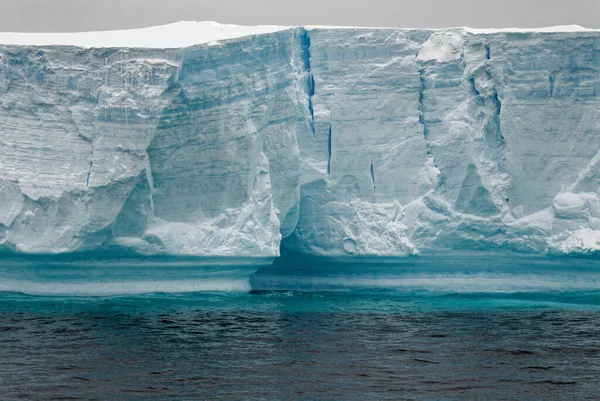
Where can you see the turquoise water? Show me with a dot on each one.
(427, 328)
(279, 345)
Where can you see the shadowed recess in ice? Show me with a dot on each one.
(330, 141)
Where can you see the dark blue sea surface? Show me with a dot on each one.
(284, 345)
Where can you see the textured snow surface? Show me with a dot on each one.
(329, 141)
(549, 29)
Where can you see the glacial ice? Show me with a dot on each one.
(207, 140)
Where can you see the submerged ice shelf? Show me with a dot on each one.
(110, 274)
(208, 140)
(455, 273)
(102, 275)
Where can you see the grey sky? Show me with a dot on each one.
(85, 15)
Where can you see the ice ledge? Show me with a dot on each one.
(189, 33)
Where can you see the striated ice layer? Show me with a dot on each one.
(435, 141)
(202, 139)
(183, 152)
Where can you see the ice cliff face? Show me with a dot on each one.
(188, 151)
(334, 141)
(430, 141)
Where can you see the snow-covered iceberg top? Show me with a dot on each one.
(475, 31)
(189, 33)
(549, 29)
(177, 35)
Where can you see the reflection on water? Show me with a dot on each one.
(285, 345)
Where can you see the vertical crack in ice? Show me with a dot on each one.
(492, 150)
(483, 77)
(310, 80)
(86, 130)
(329, 151)
(423, 122)
(495, 99)
(551, 79)
(373, 176)
(150, 180)
(474, 90)
(87, 180)
(173, 90)
(497, 112)
(421, 108)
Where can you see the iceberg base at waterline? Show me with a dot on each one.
(97, 275)
(454, 272)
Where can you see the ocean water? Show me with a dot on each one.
(396, 344)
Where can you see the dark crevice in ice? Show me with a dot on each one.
(373, 176)
(495, 98)
(551, 79)
(329, 151)
(423, 122)
(496, 118)
(305, 43)
(493, 130)
(492, 102)
(310, 80)
(473, 88)
(421, 107)
(474, 197)
(87, 180)
(421, 98)
(497, 103)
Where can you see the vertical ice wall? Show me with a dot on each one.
(75, 129)
(340, 141)
(189, 151)
(224, 156)
(362, 145)
(429, 141)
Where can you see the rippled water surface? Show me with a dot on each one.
(305, 346)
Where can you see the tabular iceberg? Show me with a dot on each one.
(202, 139)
